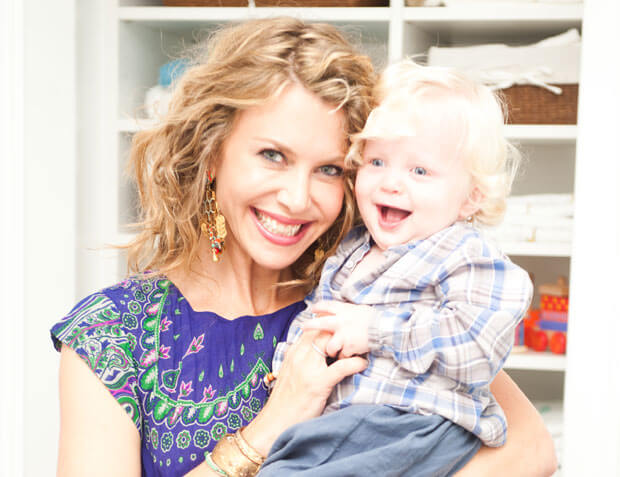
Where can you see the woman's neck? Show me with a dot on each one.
(234, 286)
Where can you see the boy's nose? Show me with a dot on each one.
(392, 181)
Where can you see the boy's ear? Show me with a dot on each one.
(471, 204)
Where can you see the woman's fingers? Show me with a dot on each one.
(342, 368)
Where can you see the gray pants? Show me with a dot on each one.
(371, 440)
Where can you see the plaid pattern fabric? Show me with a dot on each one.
(446, 310)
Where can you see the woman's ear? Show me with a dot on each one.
(471, 204)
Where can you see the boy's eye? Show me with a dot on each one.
(272, 155)
(419, 171)
(331, 171)
(377, 162)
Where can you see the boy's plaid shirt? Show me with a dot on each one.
(447, 307)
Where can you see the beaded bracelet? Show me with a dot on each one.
(213, 466)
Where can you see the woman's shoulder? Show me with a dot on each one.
(117, 308)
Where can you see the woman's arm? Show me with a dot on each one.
(300, 393)
(97, 438)
(529, 449)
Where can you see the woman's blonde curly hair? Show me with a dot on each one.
(245, 65)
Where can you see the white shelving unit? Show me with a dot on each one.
(140, 35)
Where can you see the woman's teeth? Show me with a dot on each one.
(276, 227)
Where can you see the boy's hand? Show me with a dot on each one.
(348, 324)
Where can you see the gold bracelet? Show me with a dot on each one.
(247, 449)
(228, 456)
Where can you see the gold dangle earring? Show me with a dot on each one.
(213, 223)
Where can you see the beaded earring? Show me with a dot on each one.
(213, 223)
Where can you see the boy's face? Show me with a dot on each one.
(411, 187)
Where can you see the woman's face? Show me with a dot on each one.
(279, 183)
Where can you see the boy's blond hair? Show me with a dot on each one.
(403, 91)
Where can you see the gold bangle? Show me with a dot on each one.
(247, 449)
(229, 457)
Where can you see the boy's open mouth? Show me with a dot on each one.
(392, 215)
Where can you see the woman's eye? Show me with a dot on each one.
(331, 171)
(419, 171)
(272, 155)
(377, 162)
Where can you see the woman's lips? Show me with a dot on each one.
(278, 229)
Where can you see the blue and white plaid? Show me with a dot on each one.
(447, 307)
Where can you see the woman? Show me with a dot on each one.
(256, 136)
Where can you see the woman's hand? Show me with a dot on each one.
(528, 451)
(301, 390)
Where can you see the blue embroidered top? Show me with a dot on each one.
(185, 378)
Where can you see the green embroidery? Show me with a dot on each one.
(232, 365)
(275, 341)
(242, 351)
(154, 438)
(220, 373)
(218, 431)
(201, 376)
(166, 441)
(170, 378)
(201, 438)
(183, 439)
(176, 337)
(259, 334)
(234, 422)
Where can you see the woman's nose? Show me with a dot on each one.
(295, 193)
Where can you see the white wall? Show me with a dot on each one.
(50, 214)
(592, 390)
(12, 237)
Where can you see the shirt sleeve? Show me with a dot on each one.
(294, 332)
(468, 333)
(95, 331)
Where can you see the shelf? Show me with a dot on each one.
(536, 249)
(533, 360)
(521, 133)
(515, 17)
(173, 17)
(541, 133)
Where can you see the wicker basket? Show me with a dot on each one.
(206, 3)
(535, 105)
(322, 3)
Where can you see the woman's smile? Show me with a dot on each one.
(279, 229)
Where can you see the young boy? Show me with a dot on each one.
(416, 287)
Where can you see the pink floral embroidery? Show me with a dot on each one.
(207, 394)
(149, 358)
(196, 345)
(164, 352)
(222, 407)
(186, 389)
(152, 309)
(164, 324)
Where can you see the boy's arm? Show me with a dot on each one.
(468, 336)
(294, 332)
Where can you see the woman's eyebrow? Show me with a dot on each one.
(289, 152)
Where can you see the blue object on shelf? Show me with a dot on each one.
(171, 71)
(552, 325)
